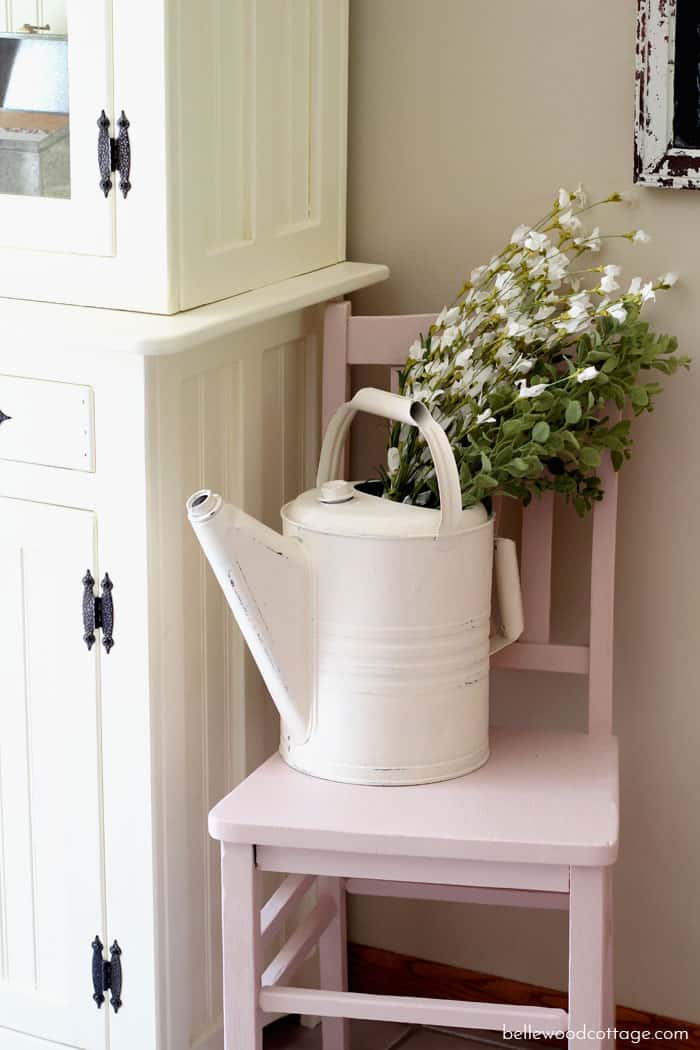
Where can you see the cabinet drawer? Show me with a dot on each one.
(47, 423)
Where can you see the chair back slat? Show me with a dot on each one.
(384, 340)
(351, 341)
(600, 681)
(536, 567)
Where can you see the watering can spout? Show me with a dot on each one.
(266, 579)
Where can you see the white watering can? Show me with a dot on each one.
(369, 619)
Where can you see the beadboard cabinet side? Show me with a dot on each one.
(241, 415)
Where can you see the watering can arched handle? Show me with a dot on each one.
(413, 414)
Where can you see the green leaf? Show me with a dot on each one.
(573, 412)
(485, 463)
(519, 425)
(518, 467)
(639, 396)
(540, 432)
(617, 459)
(590, 456)
(611, 364)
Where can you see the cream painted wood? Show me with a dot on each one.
(184, 714)
(238, 135)
(262, 108)
(52, 893)
(47, 423)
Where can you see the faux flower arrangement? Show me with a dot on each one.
(522, 369)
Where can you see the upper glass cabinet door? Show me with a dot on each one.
(55, 78)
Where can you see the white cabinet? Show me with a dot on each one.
(109, 762)
(237, 129)
(51, 856)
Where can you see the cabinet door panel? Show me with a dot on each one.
(50, 198)
(262, 107)
(51, 871)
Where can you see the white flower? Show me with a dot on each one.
(462, 358)
(558, 263)
(592, 241)
(393, 460)
(449, 335)
(476, 275)
(485, 417)
(580, 196)
(544, 312)
(530, 391)
(447, 317)
(568, 221)
(573, 325)
(536, 242)
(515, 329)
(640, 237)
(618, 311)
(416, 351)
(608, 283)
(586, 374)
(564, 198)
(647, 293)
(635, 286)
(669, 279)
(523, 366)
(579, 304)
(519, 234)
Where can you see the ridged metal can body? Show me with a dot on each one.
(402, 657)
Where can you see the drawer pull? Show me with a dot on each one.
(3, 417)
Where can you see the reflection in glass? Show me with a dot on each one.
(34, 115)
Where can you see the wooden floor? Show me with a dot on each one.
(370, 1035)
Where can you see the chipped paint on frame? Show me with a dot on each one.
(657, 162)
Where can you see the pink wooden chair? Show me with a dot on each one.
(537, 826)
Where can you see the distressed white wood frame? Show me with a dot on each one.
(657, 162)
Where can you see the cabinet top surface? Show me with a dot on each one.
(89, 328)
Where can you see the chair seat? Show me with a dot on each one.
(544, 796)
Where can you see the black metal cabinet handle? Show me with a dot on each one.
(106, 974)
(3, 417)
(98, 612)
(114, 154)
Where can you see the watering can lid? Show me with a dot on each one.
(341, 508)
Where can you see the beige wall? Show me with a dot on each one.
(465, 118)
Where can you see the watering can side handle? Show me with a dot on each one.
(412, 414)
(510, 599)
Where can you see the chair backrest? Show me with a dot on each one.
(352, 341)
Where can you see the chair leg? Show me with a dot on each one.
(333, 958)
(589, 995)
(240, 905)
(610, 1005)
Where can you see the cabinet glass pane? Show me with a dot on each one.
(34, 107)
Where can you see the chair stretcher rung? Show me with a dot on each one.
(292, 955)
(276, 910)
(411, 1010)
